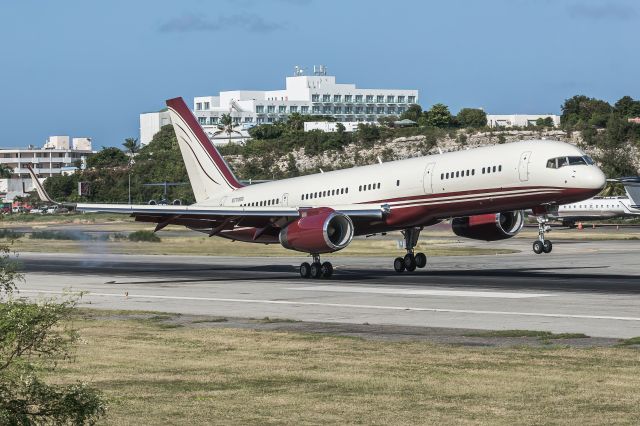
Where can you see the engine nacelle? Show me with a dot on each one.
(489, 227)
(320, 230)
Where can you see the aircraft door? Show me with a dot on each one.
(285, 199)
(427, 178)
(523, 166)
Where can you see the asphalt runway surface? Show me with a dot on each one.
(585, 287)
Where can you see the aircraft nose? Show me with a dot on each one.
(595, 179)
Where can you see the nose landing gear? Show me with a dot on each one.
(316, 269)
(411, 260)
(541, 245)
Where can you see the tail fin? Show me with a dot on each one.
(209, 174)
(632, 188)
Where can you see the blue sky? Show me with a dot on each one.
(88, 68)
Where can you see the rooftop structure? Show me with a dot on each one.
(316, 94)
(519, 120)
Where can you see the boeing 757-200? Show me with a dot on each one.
(484, 191)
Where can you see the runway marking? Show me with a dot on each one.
(344, 305)
(422, 292)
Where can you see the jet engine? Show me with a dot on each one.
(489, 227)
(320, 230)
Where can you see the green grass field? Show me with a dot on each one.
(152, 372)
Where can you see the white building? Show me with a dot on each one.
(56, 157)
(316, 94)
(330, 126)
(150, 124)
(519, 120)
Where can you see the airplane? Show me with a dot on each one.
(483, 190)
(599, 208)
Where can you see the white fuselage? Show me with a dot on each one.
(488, 179)
(597, 208)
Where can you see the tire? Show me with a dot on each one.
(421, 260)
(316, 270)
(538, 247)
(398, 264)
(547, 246)
(305, 270)
(410, 262)
(327, 270)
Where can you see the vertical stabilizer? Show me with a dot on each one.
(632, 188)
(209, 174)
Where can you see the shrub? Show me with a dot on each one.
(147, 236)
(56, 235)
(10, 234)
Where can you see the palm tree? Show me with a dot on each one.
(5, 171)
(226, 126)
(132, 146)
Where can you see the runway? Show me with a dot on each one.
(585, 287)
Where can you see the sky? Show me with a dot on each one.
(89, 68)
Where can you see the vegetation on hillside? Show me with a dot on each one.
(605, 129)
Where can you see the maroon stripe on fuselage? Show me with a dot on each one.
(181, 108)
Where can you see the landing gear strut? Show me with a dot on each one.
(316, 269)
(541, 245)
(411, 260)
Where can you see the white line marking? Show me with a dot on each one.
(422, 292)
(345, 305)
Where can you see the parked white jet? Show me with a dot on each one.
(598, 208)
(484, 190)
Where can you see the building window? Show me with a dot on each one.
(259, 109)
(282, 109)
(316, 109)
(369, 110)
(391, 99)
(304, 109)
(271, 108)
(198, 106)
(401, 110)
(293, 109)
(359, 98)
(326, 98)
(412, 99)
(206, 105)
(248, 119)
(391, 110)
(337, 98)
(213, 120)
(347, 98)
(400, 99)
(359, 110)
(369, 98)
(270, 120)
(380, 98)
(337, 110)
(380, 110)
(348, 110)
(315, 98)
(202, 120)
(326, 110)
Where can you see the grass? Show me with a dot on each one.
(630, 342)
(151, 374)
(63, 218)
(144, 235)
(202, 245)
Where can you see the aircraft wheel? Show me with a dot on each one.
(421, 260)
(305, 270)
(327, 270)
(547, 246)
(316, 270)
(410, 262)
(538, 247)
(398, 264)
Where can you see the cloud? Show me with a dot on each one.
(607, 10)
(193, 23)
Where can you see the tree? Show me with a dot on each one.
(5, 171)
(472, 117)
(627, 107)
(412, 113)
(226, 126)
(582, 110)
(439, 116)
(132, 146)
(108, 157)
(295, 122)
(35, 337)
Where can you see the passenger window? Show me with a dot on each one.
(473, 172)
(500, 168)
(369, 187)
(467, 172)
(494, 169)
(457, 174)
(398, 182)
(447, 175)
(360, 188)
(346, 190)
(441, 176)
(378, 185)
(483, 170)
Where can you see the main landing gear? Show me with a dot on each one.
(316, 269)
(541, 245)
(411, 260)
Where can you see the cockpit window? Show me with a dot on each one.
(589, 160)
(556, 163)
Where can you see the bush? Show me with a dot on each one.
(147, 236)
(10, 234)
(56, 235)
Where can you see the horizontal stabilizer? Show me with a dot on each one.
(631, 187)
